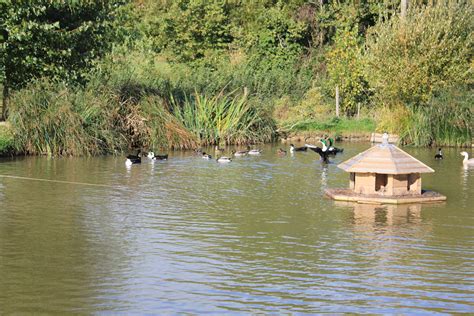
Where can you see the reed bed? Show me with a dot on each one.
(224, 118)
(54, 119)
(446, 121)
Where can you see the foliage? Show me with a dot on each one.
(145, 73)
(51, 118)
(224, 118)
(6, 140)
(55, 39)
(312, 106)
(448, 120)
(346, 71)
(191, 29)
(408, 61)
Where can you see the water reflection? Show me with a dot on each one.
(386, 215)
(324, 177)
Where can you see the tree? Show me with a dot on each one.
(54, 39)
(191, 29)
(346, 70)
(430, 51)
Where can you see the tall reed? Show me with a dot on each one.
(54, 119)
(224, 118)
(446, 121)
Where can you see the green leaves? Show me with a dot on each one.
(59, 40)
(431, 51)
(191, 29)
(346, 70)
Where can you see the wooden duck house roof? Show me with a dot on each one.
(384, 159)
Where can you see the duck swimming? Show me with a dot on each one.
(198, 151)
(254, 151)
(133, 159)
(206, 156)
(334, 150)
(281, 152)
(223, 159)
(152, 156)
(293, 148)
(439, 155)
(467, 162)
(323, 154)
(239, 153)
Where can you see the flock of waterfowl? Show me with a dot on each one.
(325, 151)
(466, 161)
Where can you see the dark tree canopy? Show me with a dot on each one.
(55, 39)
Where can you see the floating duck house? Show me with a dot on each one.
(385, 174)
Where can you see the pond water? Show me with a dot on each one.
(255, 235)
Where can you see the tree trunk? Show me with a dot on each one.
(337, 101)
(6, 97)
(403, 9)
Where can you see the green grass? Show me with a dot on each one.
(338, 125)
(6, 140)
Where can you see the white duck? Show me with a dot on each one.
(467, 162)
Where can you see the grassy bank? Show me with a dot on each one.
(105, 117)
(335, 125)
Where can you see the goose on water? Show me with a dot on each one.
(466, 161)
(439, 155)
(293, 148)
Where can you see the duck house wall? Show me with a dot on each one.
(400, 183)
(414, 183)
(364, 183)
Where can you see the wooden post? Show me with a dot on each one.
(337, 101)
(403, 8)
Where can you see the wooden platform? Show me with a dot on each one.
(351, 196)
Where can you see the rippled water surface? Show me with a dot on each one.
(255, 235)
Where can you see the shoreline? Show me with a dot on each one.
(314, 136)
(282, 137)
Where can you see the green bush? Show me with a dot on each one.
(447, 121)
(431, 51)
(6, 140)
